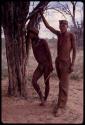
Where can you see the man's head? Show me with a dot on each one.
(33, 33)
(63, 25)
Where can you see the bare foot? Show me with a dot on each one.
(55, 110)
(42, 102)
(59, 112)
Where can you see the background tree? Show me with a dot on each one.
(14, 16)
(70, 9)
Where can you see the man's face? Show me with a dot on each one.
(63, 27)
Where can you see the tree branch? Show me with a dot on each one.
(40, 6)
(58, 11)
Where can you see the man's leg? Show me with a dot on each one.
(63, 94)
(59, 75)
(46, 80)
(63, 90)
(37, 74)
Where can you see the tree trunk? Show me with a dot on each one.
(16, 59)
(14, 30)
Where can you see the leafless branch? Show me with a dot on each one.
(58, 11)
(40, 6)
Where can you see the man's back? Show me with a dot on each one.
(41, 51)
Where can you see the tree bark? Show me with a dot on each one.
(14, 30)
(16, 58)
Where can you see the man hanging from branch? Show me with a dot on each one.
(63, 62)
(42, 55)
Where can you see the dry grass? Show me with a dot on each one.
(78, 68)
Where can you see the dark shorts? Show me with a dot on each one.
(46, 68)
(62, 66)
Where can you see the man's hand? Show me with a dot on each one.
(41, 12)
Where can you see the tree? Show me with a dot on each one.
(14, 17)
(70, 9)
(66, 8)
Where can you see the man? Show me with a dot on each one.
(63, 62)
(42, 55)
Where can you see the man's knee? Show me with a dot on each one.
(64, 80)
(47, 83)
(34, 81)
(46, 78)
(63, 86)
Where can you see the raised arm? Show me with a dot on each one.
(48, 26)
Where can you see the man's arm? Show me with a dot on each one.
(73, 48)
(48, 26)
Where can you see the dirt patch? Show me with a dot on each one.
(18, 110)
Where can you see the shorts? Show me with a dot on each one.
(63, 66)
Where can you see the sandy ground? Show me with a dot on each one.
(18, 110)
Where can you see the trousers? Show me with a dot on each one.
(63, 70)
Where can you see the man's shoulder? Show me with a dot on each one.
(43, 40)
(70, 33)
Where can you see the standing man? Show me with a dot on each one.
(64, 63)
(43, 56)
